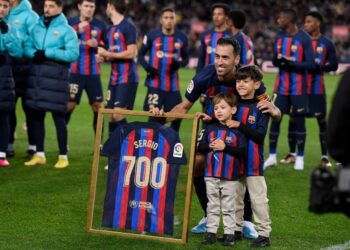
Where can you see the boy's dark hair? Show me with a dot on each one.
(119, 5)
(316, 15)
(58, 2)
(91, 1)
(229, 98)
(291, 13)
(223, 6)
(251, 71)
(238, 18)
(167, 9)
(232, 42)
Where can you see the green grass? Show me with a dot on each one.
(45, 208)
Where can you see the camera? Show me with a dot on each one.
(330, 191)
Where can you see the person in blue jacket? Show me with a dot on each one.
(22, 18)
(52, 44)
(9, 45)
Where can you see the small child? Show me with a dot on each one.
(225, 149)
(253, 123)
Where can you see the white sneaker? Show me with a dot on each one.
(271, 161)
(299, 163)
(249, 230)
(201, 227)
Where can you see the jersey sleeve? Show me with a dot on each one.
(146, 45)
(111, 147)
(177, 153)
(332, 61)
(184, 51)
(196, 87)
(201, 57)
(308, 61)
(130, 35)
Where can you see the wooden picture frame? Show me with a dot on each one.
(94, 176)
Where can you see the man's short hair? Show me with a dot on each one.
(119, 5)
(223, 6)
(59, 3)
(167, 9)
(252, 71)
(91, 1)
(291, 13)
(238, 18)
(316, 15)
(230, 41)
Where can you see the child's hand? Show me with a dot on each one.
(217, 145)
(232, 124)
(203, 116)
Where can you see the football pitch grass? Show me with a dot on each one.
(46, 208)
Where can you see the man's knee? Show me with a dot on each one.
(96, 106)
(71, 106)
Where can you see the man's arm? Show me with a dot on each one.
(181, 108)
(270, 108)
(128, 54)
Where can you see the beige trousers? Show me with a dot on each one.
(220, 193)
(258, 197)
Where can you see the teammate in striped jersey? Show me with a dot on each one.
(168, 51)
(293, 56)
(253, 123)
(144, 161)
(235, 23)
(326, 61)
(124, 78)
(209, 38)
(225, 150)
(85, 73)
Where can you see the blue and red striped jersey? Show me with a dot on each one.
(251, 116)
(164, 51)
(206, 82)
(326, 59)
(298, 49)
(208, 47)
(86, 64)
(119, 37)
(220, 164)
(247, 48)
(143, 166)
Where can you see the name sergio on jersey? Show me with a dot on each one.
(146, 144)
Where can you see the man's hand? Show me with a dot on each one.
(82, 26)
(99, 59)
(270, 108)
(102, 52)
(156, 111)
(92, 43)
(152, 71)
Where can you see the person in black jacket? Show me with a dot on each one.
(9, 45)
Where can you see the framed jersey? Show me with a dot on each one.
(140, 187)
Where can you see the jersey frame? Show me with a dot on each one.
(94, 175)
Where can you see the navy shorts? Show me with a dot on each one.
(121, 96)
(91, 83)
(161, 99)
(292, 104)
(317, 106)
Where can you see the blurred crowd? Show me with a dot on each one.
(194, 16)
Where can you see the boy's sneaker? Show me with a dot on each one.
(249, 230)
(271, 161)
(229, 240)
(288, 159)
(209, 238)
(299, 163)
(201, 227)
(30, 154)
(236, 237)
(325, 162)
(36, 160)
(62, 162)
(261, 241)
(4, 163)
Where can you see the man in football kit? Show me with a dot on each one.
(293, 56)
(22, 18)
(85, 73)
(235, 23)
(209, 38)
(210, 81)
(144, 161)
(326, 61)
(121, 51)
(168, 51)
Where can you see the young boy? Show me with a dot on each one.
(253, 124)
(9, 45)
(225, 149)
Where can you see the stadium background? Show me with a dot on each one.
(42, 208)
